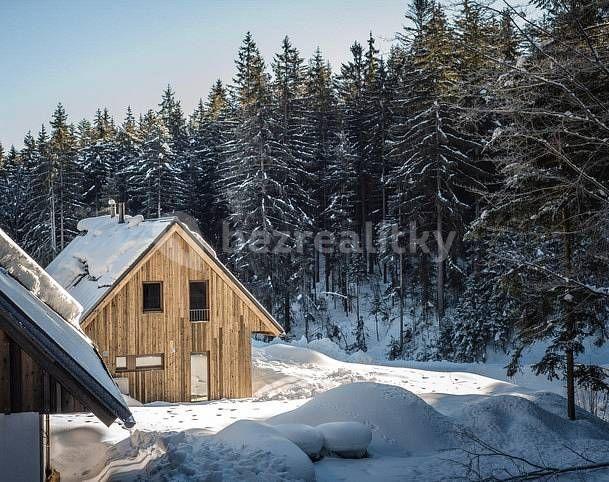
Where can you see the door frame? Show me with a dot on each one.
(207, 354)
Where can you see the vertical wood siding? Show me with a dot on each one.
(30, 384)
(120, 327)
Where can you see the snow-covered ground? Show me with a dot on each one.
(421, 417)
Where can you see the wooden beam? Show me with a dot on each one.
(16, 377)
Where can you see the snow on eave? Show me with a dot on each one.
(64, 345)
(37, 281)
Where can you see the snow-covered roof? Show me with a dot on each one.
(91, 265)
(36, 308)
(105, 249)
(25, 270)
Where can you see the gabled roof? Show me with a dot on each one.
(106, 251)
(33, 311)
(91, 264)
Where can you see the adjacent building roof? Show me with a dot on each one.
(106, 250)
(42, 318)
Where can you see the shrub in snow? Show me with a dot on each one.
(245, 435)
(309, 439)
(346, 439)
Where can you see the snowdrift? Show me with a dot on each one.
(513, 421)
(398, 418)
(287, 457)
(293, 354)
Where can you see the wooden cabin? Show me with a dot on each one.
(47, 365)
(171, 321)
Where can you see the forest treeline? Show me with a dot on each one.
(491, 125)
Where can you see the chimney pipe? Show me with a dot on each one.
(121, 213)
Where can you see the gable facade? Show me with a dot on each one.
(125, 333)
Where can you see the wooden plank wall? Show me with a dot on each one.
(120, 327)
(30, 383)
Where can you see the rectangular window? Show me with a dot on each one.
(199, 301)
(121, 362)
(149, 361)
(153, 296)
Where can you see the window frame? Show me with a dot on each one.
(206, 297)
(161, 297)
(131, 363)
(121, 368)
(160, 366)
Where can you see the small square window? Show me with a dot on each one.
(153, 296)
(121, 362)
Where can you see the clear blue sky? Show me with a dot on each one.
(90, 54)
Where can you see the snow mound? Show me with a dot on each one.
(132, 402)
(347, 439)
(309, 439)
(36, 280)
(331, 349)
(190, 455)
(515, 421)
(293, 354)
(246, 435)
(399, 420)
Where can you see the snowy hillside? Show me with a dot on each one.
(426, 424)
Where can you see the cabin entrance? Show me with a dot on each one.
(199, 377)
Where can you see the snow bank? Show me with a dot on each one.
(516, 422)
(326, 347)
(347, 439)
(37, 281)
(245, 435)
(398, 418)
(309, 439)
(193, 455)
(294, 354)
(88, 267)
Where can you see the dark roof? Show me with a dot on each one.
(61, 349)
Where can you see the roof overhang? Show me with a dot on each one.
(52, 358)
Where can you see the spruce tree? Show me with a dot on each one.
(261, 186)
(67, 198)
(551, 209)
(41, 238)
(97, 158)
(207, 130)
(155, 181)
(123, 176)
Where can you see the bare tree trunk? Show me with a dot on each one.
(61, 210)
(440, 273)
(570, 326)
(401, 302)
